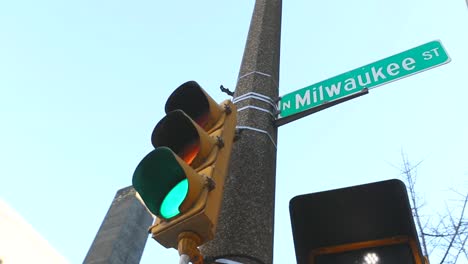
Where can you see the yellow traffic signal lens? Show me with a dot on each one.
(172, 201)
(190, 152)
(184, 137)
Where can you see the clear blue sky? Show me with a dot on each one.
(82, 84)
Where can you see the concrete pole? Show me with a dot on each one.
(247, 216)
(122, 236)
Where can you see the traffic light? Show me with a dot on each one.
(365, 224)
(181, 181)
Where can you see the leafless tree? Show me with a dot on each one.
(443, 236)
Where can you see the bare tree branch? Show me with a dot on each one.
(411, 180)
(446, 235)
(453, 237)
(460, 225)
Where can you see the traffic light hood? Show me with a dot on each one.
(183, 136)
(196, 103)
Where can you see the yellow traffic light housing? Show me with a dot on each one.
(181, 181)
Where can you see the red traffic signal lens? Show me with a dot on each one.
(190, 152)
(190, 98)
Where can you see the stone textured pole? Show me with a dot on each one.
(247, 216)
(122, 236)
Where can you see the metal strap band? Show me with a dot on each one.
(258, 130)
(257, 108)
(259, 73)
(255, 72)
(227, 261)
(257, 96)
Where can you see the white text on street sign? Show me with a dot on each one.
(390, 69)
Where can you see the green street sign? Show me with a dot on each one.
(390, 69)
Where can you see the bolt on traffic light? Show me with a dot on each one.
(181, 181)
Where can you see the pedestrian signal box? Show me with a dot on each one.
(365, 224)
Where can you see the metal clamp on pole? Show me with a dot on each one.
(226, 90)
(188, 248)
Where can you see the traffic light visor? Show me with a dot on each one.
(196, 103)
(184, 137)
(165, 183)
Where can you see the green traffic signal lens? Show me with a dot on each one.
(157, 178)
(172, 201)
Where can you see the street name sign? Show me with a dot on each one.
(351, 83)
